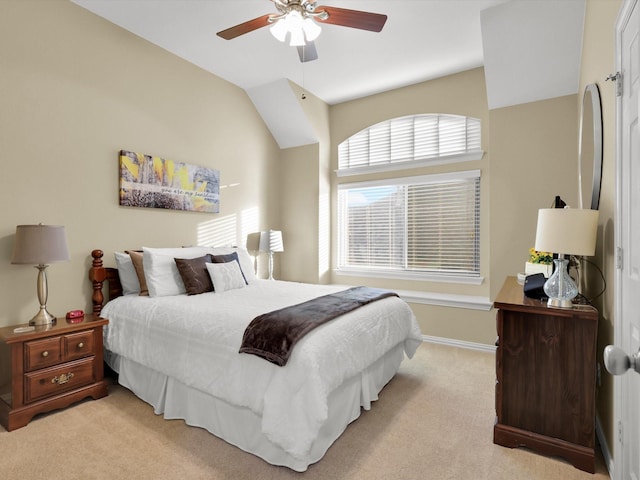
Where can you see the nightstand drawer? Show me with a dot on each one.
(51, 381)
(78, 345)
(42, 353)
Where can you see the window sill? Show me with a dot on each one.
(460, 279)
(446, 300)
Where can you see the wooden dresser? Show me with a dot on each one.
(49, 368)
(546, 377)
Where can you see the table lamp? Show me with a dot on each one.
(40, 245)
(271, 242)
(563, 231)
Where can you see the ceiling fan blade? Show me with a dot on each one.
(353, 18)
(307, 52)
(245, 27)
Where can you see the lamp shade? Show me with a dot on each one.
(567, 230)
(279, 30)
(253, 242)
(271, 241)
(40, 245)
(311, 29)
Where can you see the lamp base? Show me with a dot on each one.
(560, 287)
(271, 266)
(43, 317)
(559, 303)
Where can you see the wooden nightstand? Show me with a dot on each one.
(49, 368)
(545, 377)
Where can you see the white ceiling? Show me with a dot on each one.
(421, 40)
(531, 49)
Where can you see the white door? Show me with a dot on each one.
(627, 390)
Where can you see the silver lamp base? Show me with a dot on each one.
(270, 265)
(559, 303)
(43, 317)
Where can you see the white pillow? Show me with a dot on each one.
(225, 276)
(246, 264)
(127, 274)
(160, 270)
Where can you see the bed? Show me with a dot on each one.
(179, 351)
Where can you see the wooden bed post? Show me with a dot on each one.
(97, 275)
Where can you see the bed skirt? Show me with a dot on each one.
(240, 426)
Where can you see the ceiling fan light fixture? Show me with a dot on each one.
(297, 24)
(293, 19)
(311, 29)
(299, 19)
(279, 30)
(297, 38)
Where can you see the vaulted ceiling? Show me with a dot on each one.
(530, 48)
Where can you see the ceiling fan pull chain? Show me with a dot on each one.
(303, 96)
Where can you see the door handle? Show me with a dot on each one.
(618, 362)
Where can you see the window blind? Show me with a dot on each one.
(416, 224)
(410, 138)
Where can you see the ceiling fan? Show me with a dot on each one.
(296, 19)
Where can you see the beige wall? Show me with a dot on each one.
(304, 199)
(299, 208)
(598, 61)
(534, 157)
(77, 89)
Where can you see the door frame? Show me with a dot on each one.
(618, 397)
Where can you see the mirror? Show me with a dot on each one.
(590, 148)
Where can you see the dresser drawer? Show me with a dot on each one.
(42, 353)
(78, 345)
(51, 381)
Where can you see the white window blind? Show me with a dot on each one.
(415, 138)
(427, 224)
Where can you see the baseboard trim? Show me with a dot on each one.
(459, 343)
(604, 447)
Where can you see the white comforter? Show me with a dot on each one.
(196, 340)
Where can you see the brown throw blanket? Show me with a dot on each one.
(273, 335)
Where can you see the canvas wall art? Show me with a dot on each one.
(154, 182)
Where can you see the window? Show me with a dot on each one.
(413, 227)
(407, 142)
(423, 227)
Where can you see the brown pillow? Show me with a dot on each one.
(194, 274)
(136, 259)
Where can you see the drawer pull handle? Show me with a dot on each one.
(81, 345)
(45, 354)
(62, 379)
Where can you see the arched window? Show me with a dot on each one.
(409, 142)
(419, 227)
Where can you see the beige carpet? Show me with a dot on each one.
(433, 421)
